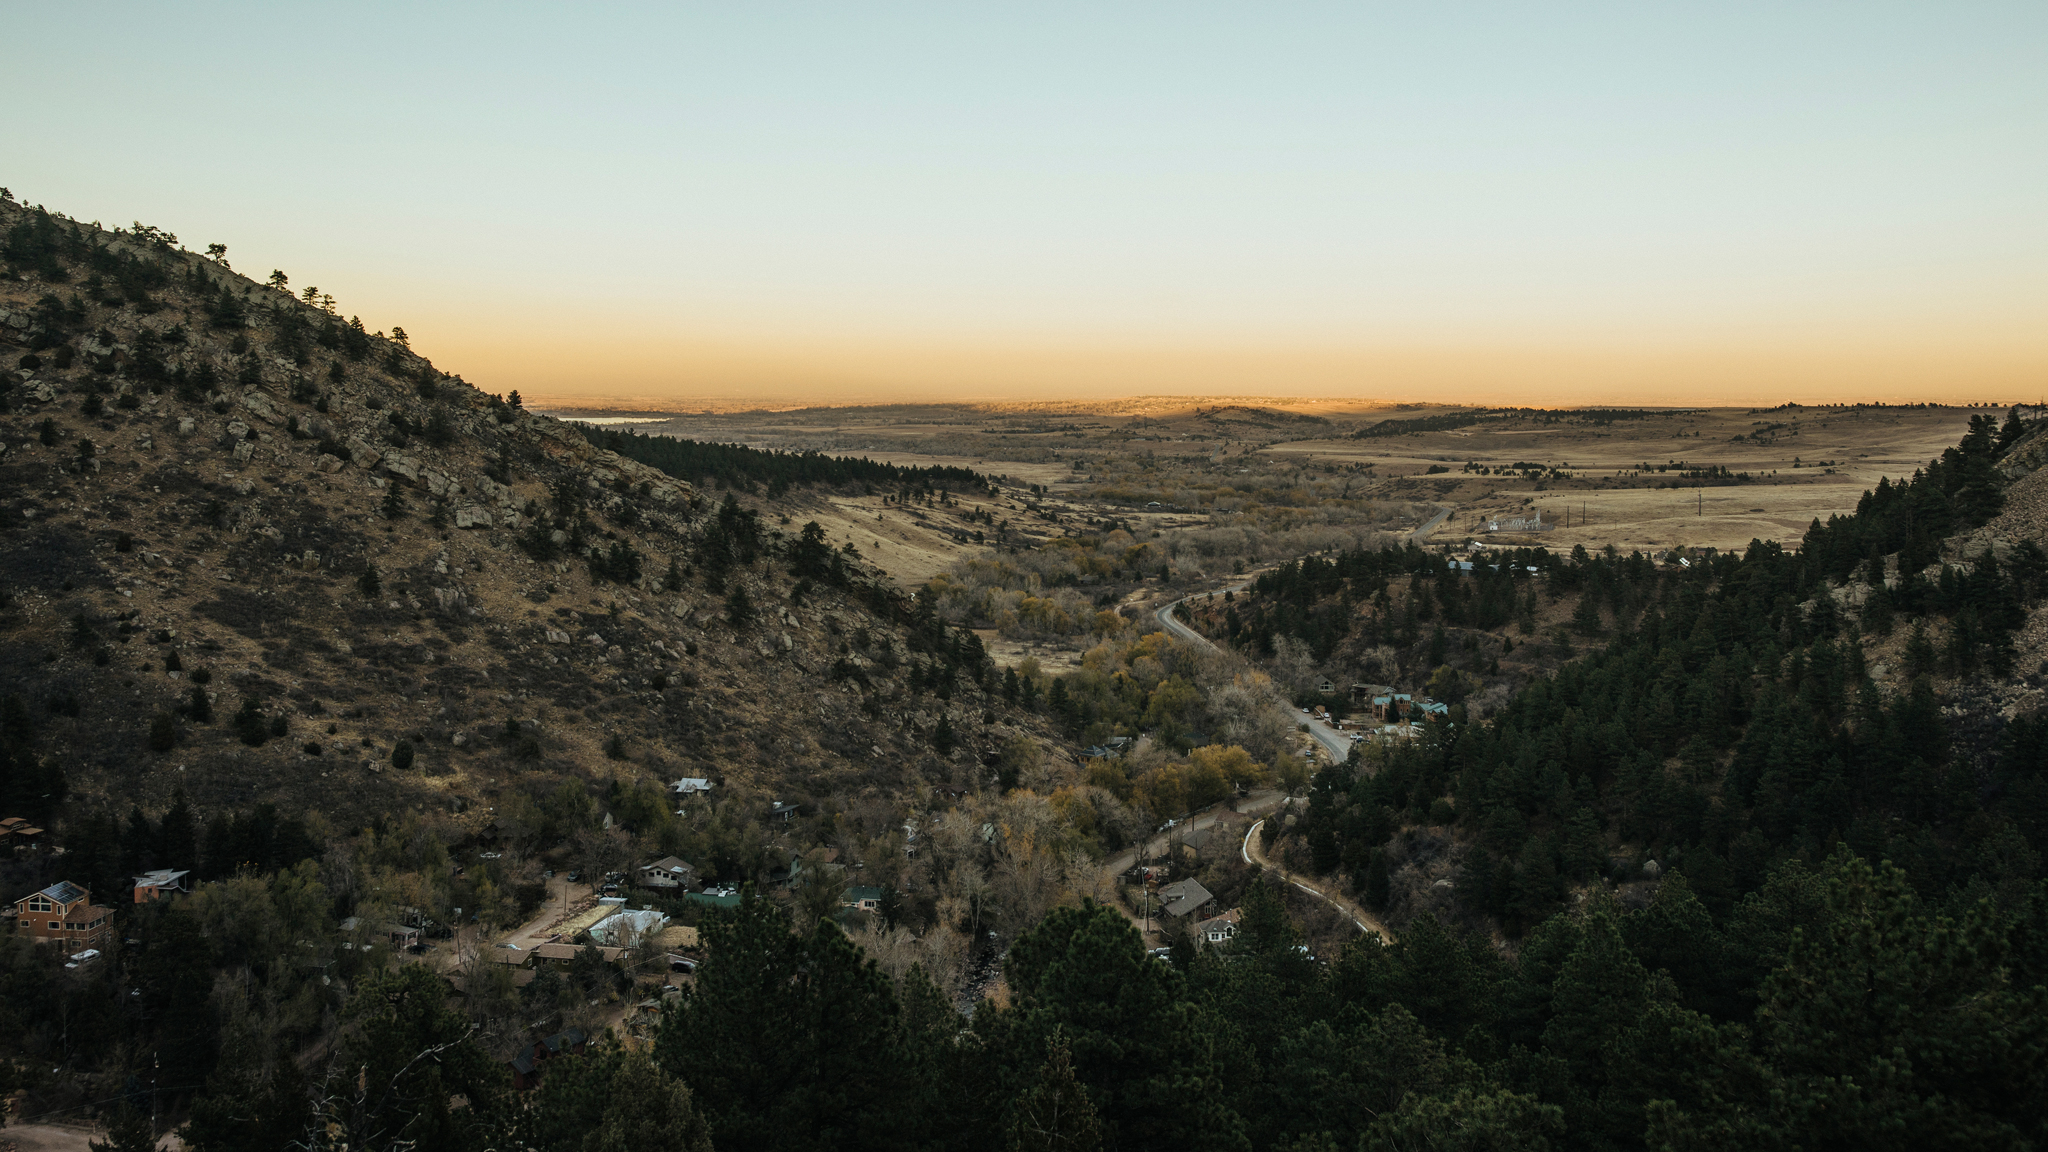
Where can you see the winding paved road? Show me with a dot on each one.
(1365, 921)
(1336, 743)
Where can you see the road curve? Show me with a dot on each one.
(1336, 743)
(1365, 921)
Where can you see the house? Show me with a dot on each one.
(159, 884)
(1391, 708)
(526, 1065)
(668, 872)
(1324, 686)
(64, 914)
(19, 835)
(1216, 929)
(623, 929)
(783, 811)
(1184, 897)
(864, 897)
(690, 786)
(558, 953)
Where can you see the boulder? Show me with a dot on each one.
(185, 426)
(365, 456)
(472, 516)
(244, 449)
(330, 463)
(42, 392)
(404, 466)
(260, 406)
(556, 636)
(238, 430)
(448, 598)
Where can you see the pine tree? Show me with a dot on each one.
(1376, 886)
(739, 608)
(129, 1132)
(1054, 1115)
(163, 732)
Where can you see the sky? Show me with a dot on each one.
(685, 205)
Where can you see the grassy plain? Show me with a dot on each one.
(1635, 479)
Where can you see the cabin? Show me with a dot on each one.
(64, 914)
(19, 835)
(526, 1065)
(668, 872)
(159, 885)
(1184, 897)
(863, 897)
(1216, 929)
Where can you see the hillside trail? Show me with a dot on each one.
(1366, 921)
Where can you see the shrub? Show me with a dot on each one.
(199, 706)
(93, 405)
(163, 732)
(249, 726)
(401, 755)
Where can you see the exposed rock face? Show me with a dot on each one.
(364, 455)
(2028, 455)
(472, 516)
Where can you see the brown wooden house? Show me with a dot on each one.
(64, 914)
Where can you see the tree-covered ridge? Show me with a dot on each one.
(738, 466)
(1730, 722)
(1834, 1007)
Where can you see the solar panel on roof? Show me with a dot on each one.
(64, 892)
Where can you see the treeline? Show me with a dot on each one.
(1956, 492)
(1836, 1009)
(1731, 722)
(105, 852)
(737, 466)
(1409, 427)
(1317, 601)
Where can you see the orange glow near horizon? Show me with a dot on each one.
(682, 372)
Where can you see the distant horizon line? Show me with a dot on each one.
(649, 409)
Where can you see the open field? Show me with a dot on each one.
(1634, 479)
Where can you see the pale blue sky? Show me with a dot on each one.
(745, 185)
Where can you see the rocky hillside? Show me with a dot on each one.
(260, 553)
